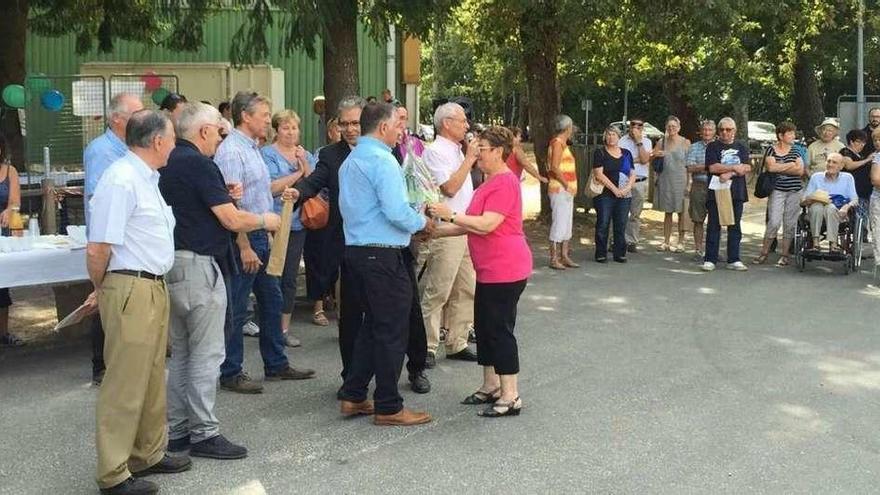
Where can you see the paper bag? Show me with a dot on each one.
(725, 207)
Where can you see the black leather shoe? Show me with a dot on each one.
(97, 378)
(419, 383)
(179, 444)
(620, 260)
(168, 465)
(132, 486)
(430, 361)
(218, 447)
(463, 355)
(290, 373)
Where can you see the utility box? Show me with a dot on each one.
(214, 82)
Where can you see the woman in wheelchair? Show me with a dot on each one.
(829, 197)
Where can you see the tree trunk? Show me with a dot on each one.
(13, 37)
(806, 101)
(680, 105)
(540, 51)
(340, 54)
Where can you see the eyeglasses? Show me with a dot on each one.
(726, 129)
(349, 123)
(637, 124)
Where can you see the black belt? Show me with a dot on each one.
(139, 274)
(382, 246)
(641, 179)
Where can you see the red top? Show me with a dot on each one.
(514, 165)
(503, 255)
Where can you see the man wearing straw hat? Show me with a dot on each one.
(818, 151)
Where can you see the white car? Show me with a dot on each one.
(650, 131)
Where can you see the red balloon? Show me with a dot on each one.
(151, 81)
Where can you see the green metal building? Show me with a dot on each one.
(303, 77)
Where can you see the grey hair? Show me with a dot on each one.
(118, 104)
(195, 115)
(144, 126)
(707, 123)
(561, 123)
(350, 102)
(446, 111)
(614, 129)
(246, 101)
(727, 120)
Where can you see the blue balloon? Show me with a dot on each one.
(52, 100)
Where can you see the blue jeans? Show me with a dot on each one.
(611, 209)
(713, 233)
(267, 289)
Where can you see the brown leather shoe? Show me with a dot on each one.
(404, 417)
(349, 408)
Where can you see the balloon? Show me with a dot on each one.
(52, 100)
(38, 83)
(159, 95)
(14, 95)
(152, 82)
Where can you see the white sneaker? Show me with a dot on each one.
(708, 266)
(250, 329)
(737, 266)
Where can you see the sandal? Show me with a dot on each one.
(567, 262)
(480, 397)
(500, 409)
(10, 340)
(556, 265)
(760, 259)
(663, 247)
(783, 261)
(320, 319)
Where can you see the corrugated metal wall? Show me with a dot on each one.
(303, 76)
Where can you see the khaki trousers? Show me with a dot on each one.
(130, 433)
(825, 213)
(449, 282)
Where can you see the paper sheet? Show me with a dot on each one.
(716, 185)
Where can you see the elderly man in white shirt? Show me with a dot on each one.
(131, 247)
(449, 279)
(640, 147)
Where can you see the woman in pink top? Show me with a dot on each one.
(503, 262)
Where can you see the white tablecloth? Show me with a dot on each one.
(42, 267)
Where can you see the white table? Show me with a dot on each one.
(42, 267)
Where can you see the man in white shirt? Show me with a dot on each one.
(640, 146)
(131, 247)
(449, 278)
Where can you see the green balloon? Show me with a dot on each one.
(159, 95)
(14, 95)
(38, 84)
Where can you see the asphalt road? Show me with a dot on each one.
(651, 377)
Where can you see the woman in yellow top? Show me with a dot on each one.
(562, 189)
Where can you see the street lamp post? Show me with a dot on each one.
(860, 66)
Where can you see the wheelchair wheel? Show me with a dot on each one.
(858, 243)
(799, 248)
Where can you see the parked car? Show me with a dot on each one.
(650, 131)
(761, 134)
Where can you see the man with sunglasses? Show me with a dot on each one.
(728, 160)
(640, 147)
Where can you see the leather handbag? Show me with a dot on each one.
(766, 181)
(315, 213)
(594, 187)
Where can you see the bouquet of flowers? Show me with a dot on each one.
(420, 186)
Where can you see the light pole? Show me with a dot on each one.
(860, 67)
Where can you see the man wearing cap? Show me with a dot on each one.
(818, 151)
(640, 147)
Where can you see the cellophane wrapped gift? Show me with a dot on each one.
(420, 186)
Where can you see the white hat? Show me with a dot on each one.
(828, 121)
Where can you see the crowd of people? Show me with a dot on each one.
(182, 204)
(706, 182)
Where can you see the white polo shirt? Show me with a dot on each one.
(627, 143)
(443, 157)
(128, 212)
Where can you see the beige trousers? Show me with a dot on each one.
(449, 283)
(130, 433)
(828, 214)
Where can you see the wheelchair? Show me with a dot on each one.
(850, 241)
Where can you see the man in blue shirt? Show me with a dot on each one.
(98, 155)
(378, 225)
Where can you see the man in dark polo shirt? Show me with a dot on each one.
(205, 214)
